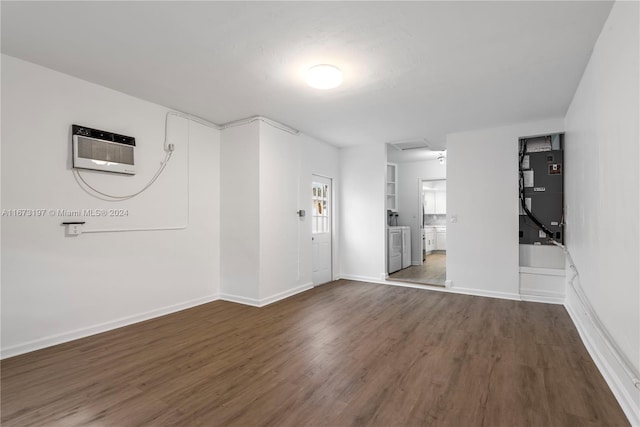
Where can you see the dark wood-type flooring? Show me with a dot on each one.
(433, 271)
(346, 353)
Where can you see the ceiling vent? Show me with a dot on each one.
(410, 144)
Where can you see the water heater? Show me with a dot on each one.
(104, 151)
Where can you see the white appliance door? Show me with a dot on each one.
(406, 247)
(395, 250)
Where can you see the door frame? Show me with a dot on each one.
(421, 203)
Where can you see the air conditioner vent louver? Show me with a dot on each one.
(413, 144)
(89, 148)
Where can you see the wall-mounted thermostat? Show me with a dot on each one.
(104, 151)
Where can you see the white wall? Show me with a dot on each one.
(362, 212)
(240, 250)
(266, 247)
(280, 225)
(287, 163)
(482, 192)
(56, 288)
(410, 175)
(318, 158)
(602, 184)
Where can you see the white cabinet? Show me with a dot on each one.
(435, 197)
(392, 187)
(429, 240)
(441, 202)
(429, 202)
(435, 239)
(441, 240)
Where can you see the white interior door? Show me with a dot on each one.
(321, 230)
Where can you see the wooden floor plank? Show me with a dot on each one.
(432, 271)
(346, 353)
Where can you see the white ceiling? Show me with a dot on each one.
(412, 69)
(399, 156)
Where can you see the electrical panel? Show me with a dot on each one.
(541, 170)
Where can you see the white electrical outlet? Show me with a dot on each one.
(73, 228)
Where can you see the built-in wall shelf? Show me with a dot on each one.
(392, 187)
(542, 273)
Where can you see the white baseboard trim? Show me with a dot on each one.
(389, 282)
(560, 272)
(363, 279)
(56, 339)
(453, 290)
(603, 356)
(542, 299)
(268, 300)
(52, 340)
(414, 285)
(240, 300)
(485, 293)
(285, 294)
(536, 295)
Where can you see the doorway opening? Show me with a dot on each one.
(432, 216)
(321, 230)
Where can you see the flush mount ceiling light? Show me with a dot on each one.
(324, 76)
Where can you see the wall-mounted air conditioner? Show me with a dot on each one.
(104, 151)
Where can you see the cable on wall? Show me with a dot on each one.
(593, 317)
(170, 149)
(193, 119)
(263, 119)
(110, 197)
(523, 202)
(606, 337)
